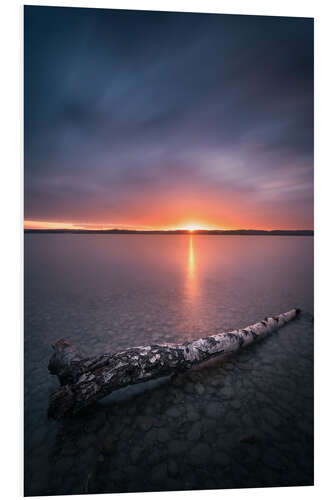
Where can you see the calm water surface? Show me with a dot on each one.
(243, 422)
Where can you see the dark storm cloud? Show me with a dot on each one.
(118, 103)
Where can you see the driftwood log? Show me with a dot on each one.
(86, 380)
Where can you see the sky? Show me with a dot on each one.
(154, 120)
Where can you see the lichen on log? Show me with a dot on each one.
(85, 380)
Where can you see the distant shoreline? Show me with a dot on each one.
(237, 232)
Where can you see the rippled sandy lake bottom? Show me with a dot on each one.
(242, 422)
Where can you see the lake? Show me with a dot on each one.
(242, 422)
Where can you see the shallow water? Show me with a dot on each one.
(244, 422)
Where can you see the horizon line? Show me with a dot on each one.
(172, 231)
(188, 226)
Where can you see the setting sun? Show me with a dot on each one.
(195, 227)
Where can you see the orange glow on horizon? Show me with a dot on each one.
(191, 227)
(35, 224)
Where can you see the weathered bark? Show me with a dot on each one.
(86, 380)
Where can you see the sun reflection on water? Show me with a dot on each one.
(192, 288)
